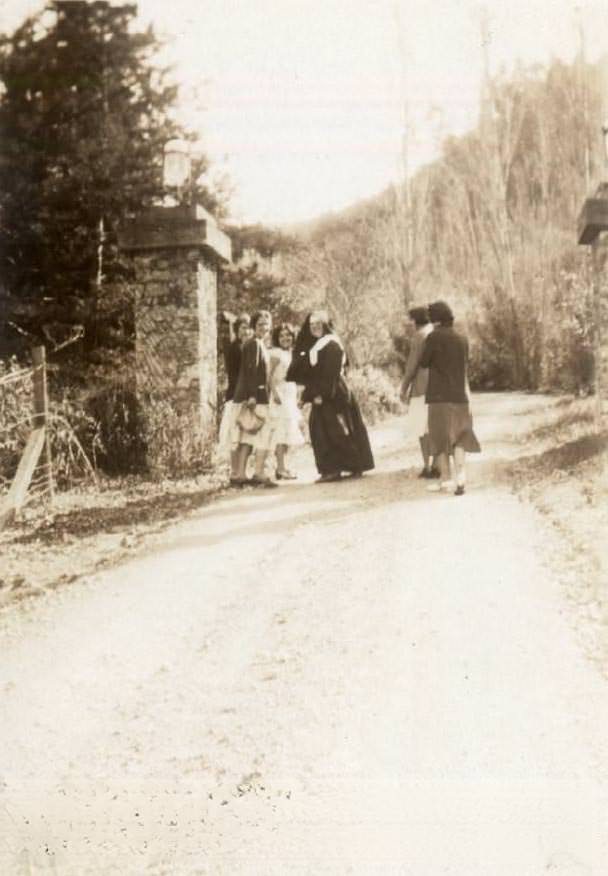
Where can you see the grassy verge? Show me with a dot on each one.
(93, 527)
(563, 471)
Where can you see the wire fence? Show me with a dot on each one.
(39, 445)
(25, 458)
(14, 376)
(39, 485)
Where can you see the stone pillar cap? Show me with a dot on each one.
(175, 228)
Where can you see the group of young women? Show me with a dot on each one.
(271, 376)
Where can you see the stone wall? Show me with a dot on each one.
(176, 355)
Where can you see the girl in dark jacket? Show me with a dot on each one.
(252, 391)
(228, 437)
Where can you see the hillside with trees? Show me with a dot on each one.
(490, 226)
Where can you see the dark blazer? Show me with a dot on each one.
(445, 354)
(233, 366)
(253, 374)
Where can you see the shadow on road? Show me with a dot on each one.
(381, 487)
(278, 512)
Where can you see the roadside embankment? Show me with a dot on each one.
(563, 472)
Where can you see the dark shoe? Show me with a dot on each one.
(459, 491)
(329, 478)
(426, 473)
(356, 474)
(286, 476)
(255, 481)
(435, 472)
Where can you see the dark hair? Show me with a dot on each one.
(258, 315)
(441, 312)
(282, 327)
(243, 319)
(304, 339)
(299, 367)
(420, 315)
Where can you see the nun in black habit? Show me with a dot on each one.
(337, 432)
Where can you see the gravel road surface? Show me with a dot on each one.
(353, 678)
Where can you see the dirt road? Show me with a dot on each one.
(354, 678)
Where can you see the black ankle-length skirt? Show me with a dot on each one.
(339, 438)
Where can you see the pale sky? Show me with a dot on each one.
(301, 103)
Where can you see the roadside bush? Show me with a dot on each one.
(173, 444)
(75, 442)
(540, 339)
(377, 394)
(121, 443)
(15, 406)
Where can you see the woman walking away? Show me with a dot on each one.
(283, 410)
(445, 354)
(338, 435)
(228, 437)
(413, 388)
(251, 394)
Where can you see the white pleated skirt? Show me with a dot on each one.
(417, 422)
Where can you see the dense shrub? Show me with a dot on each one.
(173, 443)
(542, 343)
(121, 445)
(75, 442)
(15, 407)
(376, 392)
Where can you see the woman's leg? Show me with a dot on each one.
(234, 464)
(280, 452)
(459, 463)
(241, 456)
(424, 449)
(260, 463)
(443, 462)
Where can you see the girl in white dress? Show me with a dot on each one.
(284, 413)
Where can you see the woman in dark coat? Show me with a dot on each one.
(337, 431)
(446, 354)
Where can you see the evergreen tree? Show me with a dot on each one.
(84, 115)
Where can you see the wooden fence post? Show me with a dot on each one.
(41, 409)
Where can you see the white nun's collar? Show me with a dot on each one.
(320, 344)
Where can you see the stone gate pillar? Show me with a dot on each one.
(176, 253)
